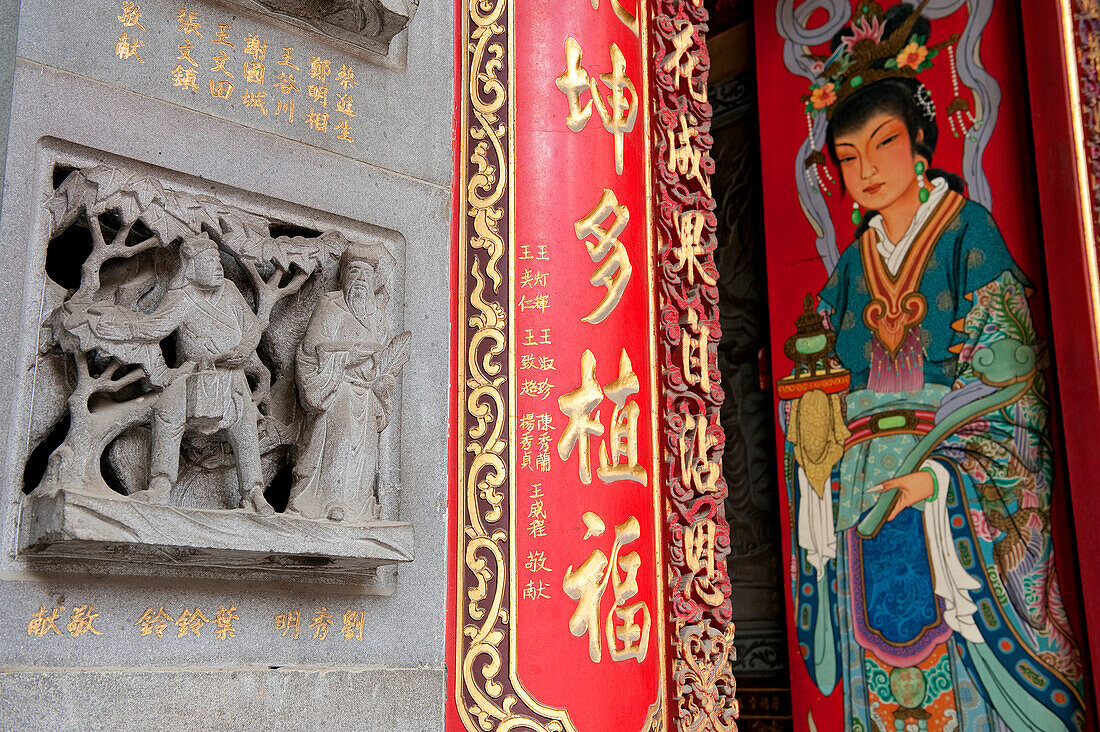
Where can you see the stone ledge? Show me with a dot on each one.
(70, 524)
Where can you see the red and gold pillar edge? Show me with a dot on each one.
(588, 585)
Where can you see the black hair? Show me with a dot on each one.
(897, 96)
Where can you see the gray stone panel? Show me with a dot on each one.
(70, 95)
(9, 25)
(287, 171)
(403, 117)
(241, 699)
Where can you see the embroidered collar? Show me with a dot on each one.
(897, 306)
(893, 255)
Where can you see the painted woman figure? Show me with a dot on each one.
(938, 608)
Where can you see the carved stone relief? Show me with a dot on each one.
(365, 25)
(211, 384)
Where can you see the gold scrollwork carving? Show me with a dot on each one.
(703, 675)
(485, 697)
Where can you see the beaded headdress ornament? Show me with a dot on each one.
(866, 55)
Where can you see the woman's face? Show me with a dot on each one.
(877, 162)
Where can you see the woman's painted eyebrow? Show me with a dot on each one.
(881, 126)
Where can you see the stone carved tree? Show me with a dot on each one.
(135, 226)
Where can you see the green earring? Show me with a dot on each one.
(919, 169)
(856, 215)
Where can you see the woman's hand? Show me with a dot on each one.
(912, 489)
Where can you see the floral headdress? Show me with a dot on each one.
(866, 55)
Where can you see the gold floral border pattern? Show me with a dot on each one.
(485, 698)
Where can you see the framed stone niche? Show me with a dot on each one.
(216, 378)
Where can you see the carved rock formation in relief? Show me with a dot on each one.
(367, 24)
(198, 357)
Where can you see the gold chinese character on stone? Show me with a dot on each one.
(184, 78)
(131, 16)
(353, 624)
(222, 36)
(288, 58)
(254, 100)
(221, 89)
(224, 622)
(320, 623)
(154, 622)
(255, 47)
(253, 72)
(286, 83)
(618, 112)
(614, 272)
(188, 23)
(185, 53)
(343, 104)
(43, 621)
(319, 93)
(627, 638)
(281, 106)
(344, 129)
(317, 120)
(219, 60)
(127, 47)
(346, 78)
(319, 68)
(288, 621)
(82, 620)
(190, 621)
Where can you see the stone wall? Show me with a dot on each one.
(147, 631)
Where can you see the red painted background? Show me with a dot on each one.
(560, 178)
(793, 264)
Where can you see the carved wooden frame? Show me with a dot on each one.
(1063, 67)
(699, 632)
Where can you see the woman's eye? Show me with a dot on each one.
(848, 159)
(888, 140)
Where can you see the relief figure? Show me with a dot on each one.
(346, 374)
(194, 356)
(217, 335)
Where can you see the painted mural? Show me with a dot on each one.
(915, 420)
